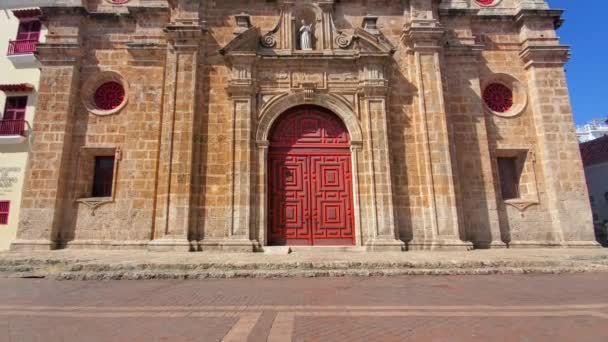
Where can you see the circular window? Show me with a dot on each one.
(503, 95)
(498, 97)
(105, 93)
(109, 95)
(487, 3)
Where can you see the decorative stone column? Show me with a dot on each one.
(438, 203)
(242, 94)
(557, 146)
(176, 164)
(380, 215)
(45, 194)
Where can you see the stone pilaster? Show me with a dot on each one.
(463, 58)
(174, 202)
(381, 215)
(45, 195)
(439, 206)
(557, 146)
(242, 94)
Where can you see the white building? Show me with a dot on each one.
(19, 75)
(595, 160)
(594, 129)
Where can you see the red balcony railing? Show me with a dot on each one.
(21, 47)
(12, 127)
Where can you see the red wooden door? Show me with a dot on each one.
(310, 181)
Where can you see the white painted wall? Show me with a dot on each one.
(13, 157)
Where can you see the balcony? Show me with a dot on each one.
(21, 47)
(21, 52)
(12, 131)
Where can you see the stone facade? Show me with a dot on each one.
(204, 82)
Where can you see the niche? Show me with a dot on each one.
(305, 28)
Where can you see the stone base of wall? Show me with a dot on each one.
(171, 245)
(489, 245)
(439, 245)
(385, 245)
(229, 245)
(554, 244)
(104, 244)
(33, 245)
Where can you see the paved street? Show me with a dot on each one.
(452, 308)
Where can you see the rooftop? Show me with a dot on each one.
(595, 151)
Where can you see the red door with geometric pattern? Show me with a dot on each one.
(310, 180)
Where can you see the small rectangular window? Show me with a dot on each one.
(4, 208)
(509, 177)
(103, 176)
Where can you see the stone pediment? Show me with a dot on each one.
(243, 43)
(283, 41)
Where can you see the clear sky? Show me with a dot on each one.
(586, 31)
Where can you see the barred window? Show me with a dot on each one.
(509, 177)
(103, 176)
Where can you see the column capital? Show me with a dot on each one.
(241, 83)
(184, 36)
(423, 36)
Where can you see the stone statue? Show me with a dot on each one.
(305, 36)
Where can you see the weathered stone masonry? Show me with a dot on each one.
(205, 81)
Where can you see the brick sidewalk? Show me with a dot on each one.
(101, 264)
(567, 307)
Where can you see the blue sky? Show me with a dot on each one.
(586, 31)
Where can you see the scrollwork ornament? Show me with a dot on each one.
(269, 41)
(343, 41)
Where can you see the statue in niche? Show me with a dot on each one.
(305, 36)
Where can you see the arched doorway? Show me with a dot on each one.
(310, 198)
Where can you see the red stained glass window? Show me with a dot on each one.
(4, 208)
(498, 97)
(109, 95)
(485, 2)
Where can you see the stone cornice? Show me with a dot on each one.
(544, 55)
(59, 53)
(184, 37)
(241, 88)
(554, 14)
(464, 50)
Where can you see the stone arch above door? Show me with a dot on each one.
(271, 112)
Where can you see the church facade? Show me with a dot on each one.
(236, 125)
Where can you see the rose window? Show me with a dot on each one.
(485, 2)
(498, 97)
(109, 95)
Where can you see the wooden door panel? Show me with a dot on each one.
(288, 207)
(331, 205)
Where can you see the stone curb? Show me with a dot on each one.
(225, 274)
(81, 269)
